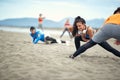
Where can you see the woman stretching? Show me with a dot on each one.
(81, 32)
(110, 29)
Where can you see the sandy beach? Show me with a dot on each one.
(20, 59)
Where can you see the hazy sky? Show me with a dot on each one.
(57, 9)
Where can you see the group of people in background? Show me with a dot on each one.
(81, 32)
(39, 35)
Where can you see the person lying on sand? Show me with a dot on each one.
(81, 32)
(110, 29)
(40, 36)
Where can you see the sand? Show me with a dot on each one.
(22, 60)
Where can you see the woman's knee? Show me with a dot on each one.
(89, 44)
(77, 38)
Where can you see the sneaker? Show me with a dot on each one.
(58, 41)
(71, 56)
(67, 43)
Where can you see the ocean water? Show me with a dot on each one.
(26, 30)
(15, 29)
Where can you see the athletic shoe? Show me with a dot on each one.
(58, 41)
(67, 43)
(71, 56)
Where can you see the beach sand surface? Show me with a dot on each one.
(20, 59)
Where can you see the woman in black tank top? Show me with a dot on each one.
(81, 32)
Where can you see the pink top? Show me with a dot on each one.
(67, 24)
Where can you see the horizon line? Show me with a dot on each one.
(45, 18)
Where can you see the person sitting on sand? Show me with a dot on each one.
(81, 32)
(68, 28)
(110, 29)
(40, 36)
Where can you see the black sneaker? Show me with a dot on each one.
(71, 56)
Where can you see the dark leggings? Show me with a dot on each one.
(91, 43)
(77, 42)
(53, 40)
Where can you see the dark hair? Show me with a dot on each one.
(117, 10)
(32, 28)
(40, 14)
(75, 29)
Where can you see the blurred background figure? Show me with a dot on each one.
(38, 35)
(40, 21)
(68, 28)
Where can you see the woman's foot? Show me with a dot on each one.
(71, 56)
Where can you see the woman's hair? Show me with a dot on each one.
(75, 29)
(117, 10)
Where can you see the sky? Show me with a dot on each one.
(57, 9)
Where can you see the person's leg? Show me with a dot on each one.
(40, 27)
(83, 48)
(106, 32)
(63, 32)
(69, 33)
(107, 47)
(53, 40)
(77, 40)
(116, 32)
(50, 40)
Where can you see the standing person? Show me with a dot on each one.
(81, 32)
(40, 21)
(68, 28)
(40, 36)
(110, 29)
